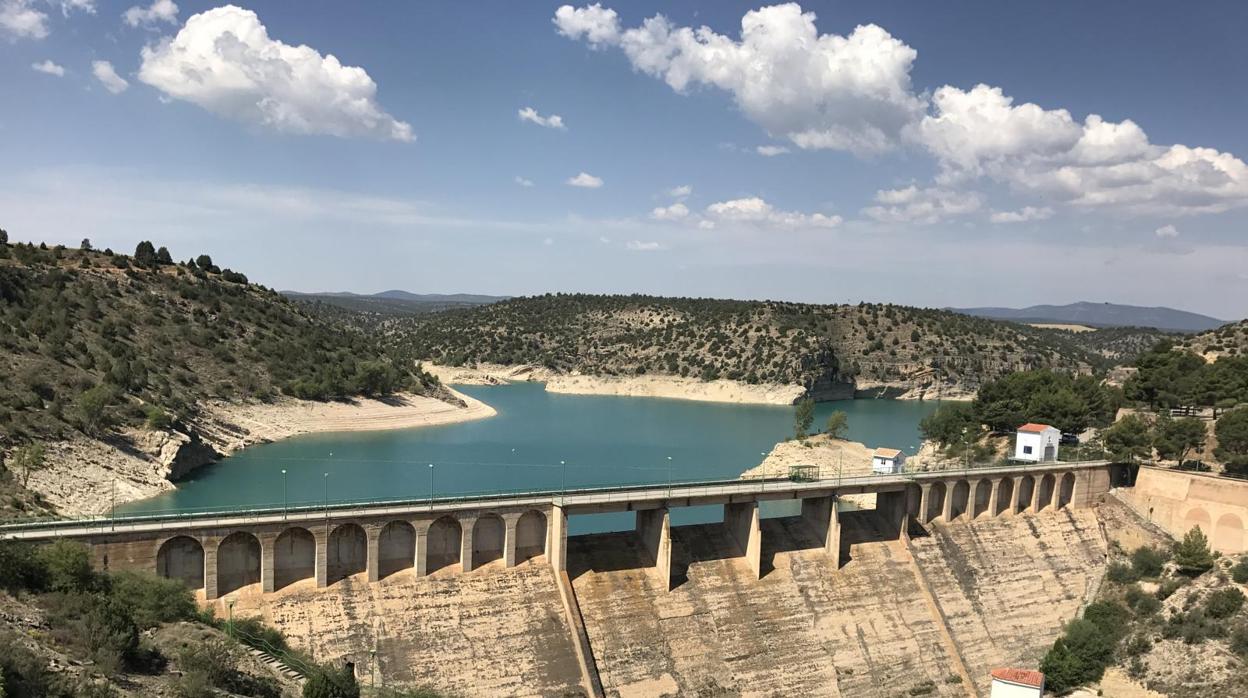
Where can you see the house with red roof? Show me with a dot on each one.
(1017, 683)
(1037, 443)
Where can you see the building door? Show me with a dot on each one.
(1049, 453)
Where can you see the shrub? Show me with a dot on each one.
(1142, 603)
(22, 672)
(1239, 572)
(1148, 561)
(1167, 588)
(151, 599)
(1192, 554)
(1078, 657)
(1120, 573)
(68, 566)
(1194, 627)
(1239, 640)
(1224, 603)
(1137, 645)
(329, 682)
(21, 568)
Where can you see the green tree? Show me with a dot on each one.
(163, 256)
(28, 459)
(1232, 433)
(951, 423)
(838, 425)
(4, 237)
(329, 682)
(803, 417)
(205, 262)
(1192, 554)
(1175, 438)
(1128, 439)
(1078, 657)
(145, 254)
(1148, 561)
(93, 408)
(85, 245)
(68, 566)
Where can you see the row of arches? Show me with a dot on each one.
(974, 498)
(1225, 536)
(240, 558)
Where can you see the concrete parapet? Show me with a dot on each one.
(741, 520)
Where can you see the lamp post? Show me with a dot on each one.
(564, 465)
(431, 487)
(285, 501)
(372, 664)
(113, 512)
(763, 465)
(325, 480)
(669, 476)
(230, 622)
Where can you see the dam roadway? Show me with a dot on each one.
(222, 551)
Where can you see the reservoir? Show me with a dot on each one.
(537, 441)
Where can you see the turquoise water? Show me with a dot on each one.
(601, 441)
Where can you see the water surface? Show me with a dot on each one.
(538, 441)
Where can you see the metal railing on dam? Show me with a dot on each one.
(597, 498)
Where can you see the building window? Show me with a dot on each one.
(1027, 450)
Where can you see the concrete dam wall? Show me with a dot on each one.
(954, 601)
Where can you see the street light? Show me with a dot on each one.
(669, 476)
(326, 481)
(763, 465)
(113, 514)
(284, 499)
(564, 465)
(431, 487)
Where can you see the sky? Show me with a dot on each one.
(932, 154)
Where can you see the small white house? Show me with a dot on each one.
(1017, 683)
(1037, 443)
(887, 461)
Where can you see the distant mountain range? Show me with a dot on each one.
(1101, 315)
(395, 302)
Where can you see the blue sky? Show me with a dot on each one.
(923, 153)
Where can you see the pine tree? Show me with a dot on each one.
(145, 254)
(163, 256)
(1192, 554)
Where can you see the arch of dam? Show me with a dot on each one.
(223, 552)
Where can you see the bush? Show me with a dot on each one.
(1120, 573)
(1239, 572)
(21, 568)
(68, 566)
(1224, 603)
(1148, 561)
(1167, 588)
(151, 599)
(1141, 603)
(1194, 627)
(328, 682)
(1192, 554)
(23, 673)
(1239, 640)
(1078, 657)
(1137, 645)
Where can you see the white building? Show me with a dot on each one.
(1037, 443)
(887, 461)
(1017, 683)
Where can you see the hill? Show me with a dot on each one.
(392, 302)
(102, 349)
(1121, 345)
(829, 349)
(1102, 315)
(1228, 340)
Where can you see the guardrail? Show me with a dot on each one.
(826, 477)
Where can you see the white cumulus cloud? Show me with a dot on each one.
(639, 246)
(523, 182)
(19, 20)
(755, 210)
(553, 121)
(681, 192)
(1095, 164)
(159, 11)
(224, 61)
(585, 180)
(770, 151)
(1022, 215)
(675, 212)
(817, 90)
(104, 72)
(48, 67)
(921, 205)
(1167, 231)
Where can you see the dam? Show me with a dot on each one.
(490, 596)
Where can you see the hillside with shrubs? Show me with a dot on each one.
(93, 342)
(749, 341)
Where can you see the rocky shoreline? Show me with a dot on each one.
(683, 388)
(84, 477)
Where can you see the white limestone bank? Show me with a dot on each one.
(82, 475)
(673, 387)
